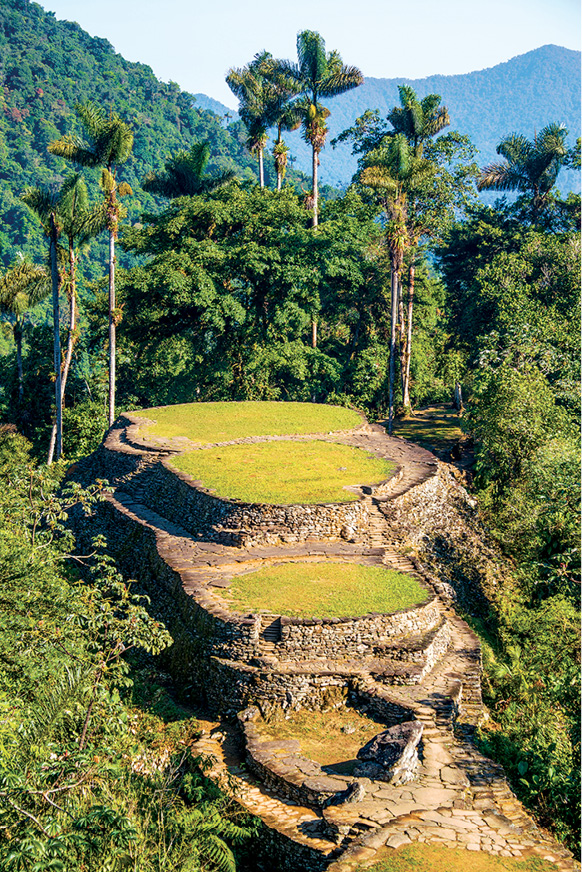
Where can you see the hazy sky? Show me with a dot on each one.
(195, 43)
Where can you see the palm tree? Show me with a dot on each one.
(529, 167)
(21, 288)
(184, 176)
(283, 113)
(256, 104)
(418, 120)
(318, 74)
(108, 145)
(391, 170)
(78, 224)
(44, 204)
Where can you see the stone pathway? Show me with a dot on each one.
(459, 798)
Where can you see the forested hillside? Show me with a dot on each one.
(46, 68)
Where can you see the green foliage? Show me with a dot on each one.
(87, 778)
(514, 320)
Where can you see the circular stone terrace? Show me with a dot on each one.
(283, 602)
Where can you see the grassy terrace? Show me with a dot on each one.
(330, 738)
(221, 422)
(433, 858)
(284, 472)
(435, 428)
(324, 590)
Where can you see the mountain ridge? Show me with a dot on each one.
(522, 94)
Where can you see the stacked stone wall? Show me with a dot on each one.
(306, 639)
(177, 497)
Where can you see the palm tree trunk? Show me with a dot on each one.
(70, 342)
(17, 331)
(313, 333)
(55, 278)
(261, 169)
(315, 164)
(408, 351)
(393, 309)
(112, 336)
(401, 329)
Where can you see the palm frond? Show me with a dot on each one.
(42, 202)
(341, 80)
(501, 177)
(63, 700)
(312, 58)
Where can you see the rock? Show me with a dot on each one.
(393, 754)
(354, 792)
(349, 728)
(322, 784)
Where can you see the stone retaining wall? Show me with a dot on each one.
(303, 639)
(211, 645)
(177, 496)
(280, 765)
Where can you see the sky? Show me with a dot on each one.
(195, 43)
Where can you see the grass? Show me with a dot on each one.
(221, 422)
(436, 427)
(322, 735)
(284, 472)
(324, 590)
(433, 858)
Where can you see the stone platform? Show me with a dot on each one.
(184, 546)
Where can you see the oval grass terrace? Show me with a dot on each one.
(212, 423)
(285, 473)
(324, 590)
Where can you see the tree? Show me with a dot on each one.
(418, 120)
(44, 204)
(390, 171)
(318, 74)
(529, 167)
(184, 175)
(109, 144)
(258, 103)
(21, 288)
(78, 224)
(285, 114)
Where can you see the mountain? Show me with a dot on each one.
(519, 96)
(212, 105)
(47, 66)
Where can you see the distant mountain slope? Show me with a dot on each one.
(521, 95)
(212, 105)
(47, 67)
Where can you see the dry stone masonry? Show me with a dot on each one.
(416, 671)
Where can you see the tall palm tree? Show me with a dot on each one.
(108, 145)
(78, 223)
(44, 204)
(184, 175)
(418, 120)
(256, 106)
(21, 288)
(529, 167)
(284, 114)
(391, 170)
(318, 74)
